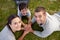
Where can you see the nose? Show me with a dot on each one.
(18, 24)
(37, 19)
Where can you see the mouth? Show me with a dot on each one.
(41, 23)
(24, 14)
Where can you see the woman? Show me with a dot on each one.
(13, 25)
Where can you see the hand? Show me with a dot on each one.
(28, 28)
(20, 39)
(25, 25)
(31, 30)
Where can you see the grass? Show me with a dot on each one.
(8, 7)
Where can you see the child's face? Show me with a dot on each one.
(24, 11)
(16, 24)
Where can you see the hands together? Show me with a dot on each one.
(27, 29)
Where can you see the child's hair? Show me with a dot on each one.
(10, 18)
(22, 6)
(39, 8)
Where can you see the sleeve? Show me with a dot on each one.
(43, 34)
(29, 13)
(33, 20)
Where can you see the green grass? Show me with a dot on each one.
(8, 7)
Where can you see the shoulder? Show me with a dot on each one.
(28, 10)
(6, 34)
(28, 13)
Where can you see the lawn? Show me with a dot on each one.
(8, 7)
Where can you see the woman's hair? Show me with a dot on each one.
(10, 18)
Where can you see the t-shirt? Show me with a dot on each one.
(6, 34)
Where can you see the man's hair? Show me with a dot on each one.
(39, 8)
(23, 6)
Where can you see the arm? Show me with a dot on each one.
(29, 20)
(23, 35)
(28, 29)
(43, 34)
(29, 16)
(21, 38)
(23, 24)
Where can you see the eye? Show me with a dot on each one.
(40, 16)
(15, 23)
(19, 21)
(44, 13)
(36, 16)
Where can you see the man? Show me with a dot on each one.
(49, 23)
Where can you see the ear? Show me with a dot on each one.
(10, 25)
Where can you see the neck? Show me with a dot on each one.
(13, 30)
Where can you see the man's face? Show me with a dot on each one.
(24, 11)
(40, 17)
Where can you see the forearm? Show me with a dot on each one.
(29, 20)
(39, 34)
(43, 34)
(22, 37)
(23, 24)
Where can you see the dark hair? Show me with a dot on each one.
(22, 6)
(39, 8)
(10, 18)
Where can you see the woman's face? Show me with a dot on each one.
(15, 24)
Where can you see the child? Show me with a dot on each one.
(24, 11)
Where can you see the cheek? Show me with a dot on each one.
(20, 24)
(24, 12)
(43, 19)
(14, 26)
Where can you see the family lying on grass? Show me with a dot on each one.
(49, 23)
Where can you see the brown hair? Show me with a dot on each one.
(39, 8)
(23, 6)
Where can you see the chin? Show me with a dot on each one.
(24, 14)
(18, 29)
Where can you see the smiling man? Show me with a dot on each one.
(49, 23)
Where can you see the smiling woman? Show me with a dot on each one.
(13, 25)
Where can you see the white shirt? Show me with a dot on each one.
(52, 24)
(6, 34)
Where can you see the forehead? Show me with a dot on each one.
(16, 19)
(40, 13)
(24, 9)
